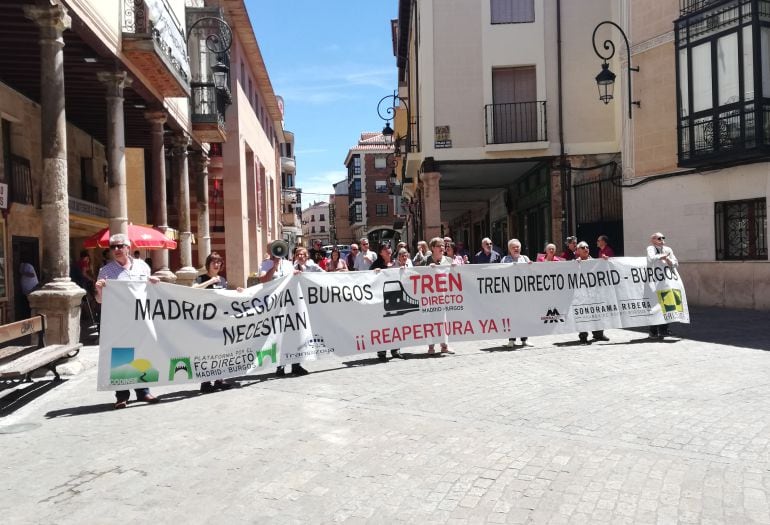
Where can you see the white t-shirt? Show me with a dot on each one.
(285, 268)
(364, 264)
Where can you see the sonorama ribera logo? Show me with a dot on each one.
(553, 316)
(125, 369)
(670, 301)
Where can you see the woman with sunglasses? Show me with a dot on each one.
(213, 281)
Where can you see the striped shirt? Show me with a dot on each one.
(137, 271)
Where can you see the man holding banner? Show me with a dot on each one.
(660, 255)
(123, 267)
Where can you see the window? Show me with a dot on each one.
(355, 191)
(741, 230)
(357, 165)
(724, 111)
(322, 217)
(380, 186)
(512, 11)
(515, 114)
(312, 229)
(382, 210)
(379, 162)
(312, 218)
(323, 228)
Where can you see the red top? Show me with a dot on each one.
(606, 251)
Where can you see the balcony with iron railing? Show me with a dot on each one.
(735, 132)
(154, 41)
(208, 112)
(516, 122)
(688, 7)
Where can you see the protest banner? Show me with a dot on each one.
(161, 334)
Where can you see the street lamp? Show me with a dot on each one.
(219, 71)
(389, 113)
(605, 80)
(219, 38)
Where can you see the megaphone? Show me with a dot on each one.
(278, 249)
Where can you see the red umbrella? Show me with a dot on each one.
(140, 237)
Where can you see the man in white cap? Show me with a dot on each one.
(123, 267)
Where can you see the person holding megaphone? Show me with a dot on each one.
(277, 267)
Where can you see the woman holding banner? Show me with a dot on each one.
(437, 258)
(211, 280)
(383, 262)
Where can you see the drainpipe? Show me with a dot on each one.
(566, 191)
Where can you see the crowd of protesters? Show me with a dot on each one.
(439, 251)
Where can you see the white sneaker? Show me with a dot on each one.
(511, 343)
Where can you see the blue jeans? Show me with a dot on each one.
(123, 395)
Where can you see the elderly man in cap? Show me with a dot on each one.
(123, 267)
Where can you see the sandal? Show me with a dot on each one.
(120, 404)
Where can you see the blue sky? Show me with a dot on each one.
(331, 62)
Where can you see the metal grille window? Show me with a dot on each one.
(382, 210)
(741, 230)
(512, 11)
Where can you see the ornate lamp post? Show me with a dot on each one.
(605, 80)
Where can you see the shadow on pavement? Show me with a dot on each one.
(743, 328)
(19, 394)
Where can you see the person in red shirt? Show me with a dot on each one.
(570, 248)
(605, 250)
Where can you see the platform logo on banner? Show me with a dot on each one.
(179, 364)
(125, 369)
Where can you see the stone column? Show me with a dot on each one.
(117, 199)
(202, 196)
(159, 208)
(59, 298)
(187, 273)
(431, 217)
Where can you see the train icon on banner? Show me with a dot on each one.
(396, 301)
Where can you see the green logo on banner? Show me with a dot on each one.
(670, 301)
(179, 364)
(271, 352)
(126, 370)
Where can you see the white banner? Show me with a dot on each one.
(162, 334)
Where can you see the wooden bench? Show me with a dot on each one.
(18, 362)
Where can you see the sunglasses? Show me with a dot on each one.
(661, 238)
(117, 246)
(216, 262)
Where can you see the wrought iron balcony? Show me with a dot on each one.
(735, 132)
(688, 7)
(208, 112)
(154, 41)
(516, 122)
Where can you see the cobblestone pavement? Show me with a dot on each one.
(630, 431)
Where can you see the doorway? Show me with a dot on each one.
(27, 250)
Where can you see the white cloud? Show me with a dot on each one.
(325, 85)
(318, 187)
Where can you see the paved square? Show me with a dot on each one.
(630, 431)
